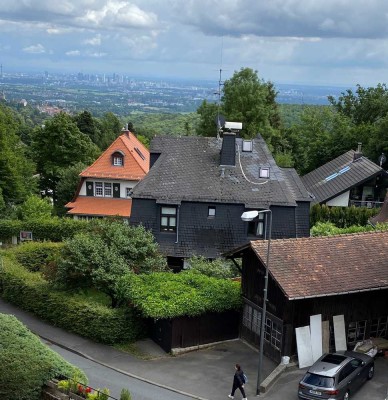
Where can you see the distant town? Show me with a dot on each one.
(122, 94)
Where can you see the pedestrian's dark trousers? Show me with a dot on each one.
(235, 386)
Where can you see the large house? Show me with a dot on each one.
(349, 180)
(105, 188)
(197, 189)
(332, 275)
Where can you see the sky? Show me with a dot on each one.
(317, 42)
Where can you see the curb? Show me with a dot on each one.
(273, 376)
(121, 371)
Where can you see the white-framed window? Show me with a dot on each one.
(128, 192)
(118, 161)
(98, 190)
(264, 172)
(211, 212)
(107, 189)
(168, 219)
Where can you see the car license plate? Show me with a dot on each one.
(315, 392)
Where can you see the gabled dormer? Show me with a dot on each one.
(117, 158)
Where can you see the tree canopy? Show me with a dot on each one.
(56, 146)
(16, 169)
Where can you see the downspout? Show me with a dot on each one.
(177, 224)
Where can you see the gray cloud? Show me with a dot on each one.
(285, 40)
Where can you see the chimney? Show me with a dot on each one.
(358, 153)
(228, 149)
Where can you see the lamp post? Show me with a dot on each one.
(250, 216)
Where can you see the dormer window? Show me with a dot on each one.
(118, 159)
(247, 145)
(264, 172)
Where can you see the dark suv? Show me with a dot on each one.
(336, 376)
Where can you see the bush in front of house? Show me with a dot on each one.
(219, 268)
(189, 293)
(93, 320)
(342, 217)
(35, 256)
(329, 229)
(26, 364)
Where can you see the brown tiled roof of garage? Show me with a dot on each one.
(328, 265)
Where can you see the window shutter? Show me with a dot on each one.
(89, 188)
(116, 190)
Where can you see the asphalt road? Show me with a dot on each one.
(100, 377)
(286, 388)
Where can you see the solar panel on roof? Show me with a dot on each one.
(340, 172)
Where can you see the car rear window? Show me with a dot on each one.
(318, 380)
(333, 359)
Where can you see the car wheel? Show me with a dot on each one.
(371, 372)
(346, 396)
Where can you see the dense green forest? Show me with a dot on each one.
(44, 155)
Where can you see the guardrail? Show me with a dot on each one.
(366, 203)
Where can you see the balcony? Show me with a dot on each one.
(366, 203)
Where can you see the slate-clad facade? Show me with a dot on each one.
(194, 194)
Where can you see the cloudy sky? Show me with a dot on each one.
(328, 42)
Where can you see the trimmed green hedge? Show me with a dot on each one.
(342, 217)
(51, 229)
(329, 229)
(35, 255)
(189, 293)
(31, 292)
(26, 364)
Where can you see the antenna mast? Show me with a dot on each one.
(220, 83)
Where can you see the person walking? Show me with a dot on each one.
(238, 382)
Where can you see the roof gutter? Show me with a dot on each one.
(337, 294)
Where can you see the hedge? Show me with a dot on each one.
(50, 229)
(26, 364)
(35, 255)
(95, 321)
(342, 217)
(189, 293)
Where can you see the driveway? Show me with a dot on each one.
(287, 385)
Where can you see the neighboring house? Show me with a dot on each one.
(350, 179)
(382, 216)
(106, 186)
(330, 275)
(197, 189)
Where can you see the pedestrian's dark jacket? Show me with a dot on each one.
(238, 378)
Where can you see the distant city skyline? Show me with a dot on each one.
(313, 42)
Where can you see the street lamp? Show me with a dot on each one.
(250, 216)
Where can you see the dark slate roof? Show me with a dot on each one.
(188, 169)
(328, 265)
(339, 175)
(382, 216)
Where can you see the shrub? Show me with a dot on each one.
(50, 229)
(26, 363)
(218, 268)
(36, 255)
(125, 395)
(329, 229)
(93, 320)
(166, 295)
(342, 217)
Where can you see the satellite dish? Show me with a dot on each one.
(219, 120)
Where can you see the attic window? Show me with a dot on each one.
(211, 212)
(118, 159)
(140, 153)
(264, 172)
(247, 145)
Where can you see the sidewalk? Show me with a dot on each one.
(203, 374)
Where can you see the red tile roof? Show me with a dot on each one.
(329, 265)
(135, 166)
(100, 206)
